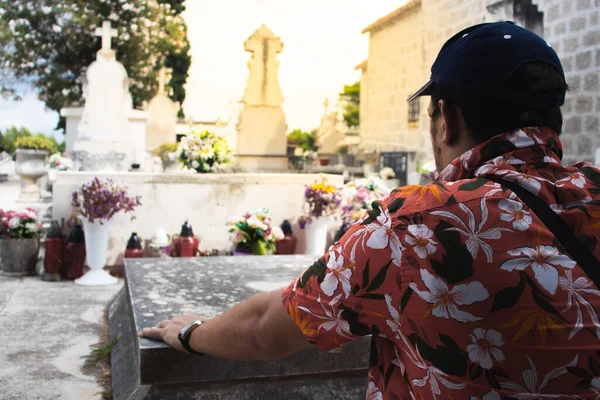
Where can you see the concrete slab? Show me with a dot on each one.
(46, 329)
(158, 288)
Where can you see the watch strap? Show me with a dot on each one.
(185, 334)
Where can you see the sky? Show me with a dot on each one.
(322, 45)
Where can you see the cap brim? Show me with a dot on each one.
(425, 90)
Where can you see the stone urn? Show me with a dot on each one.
(31, 166)
(19, 257)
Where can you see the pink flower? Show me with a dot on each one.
(363, 194)
(278, 233)
(238, 237)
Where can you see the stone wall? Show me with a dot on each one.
(402, 50)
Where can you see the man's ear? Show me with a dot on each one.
(452, 122)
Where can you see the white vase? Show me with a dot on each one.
(96, 247)
(316, 236)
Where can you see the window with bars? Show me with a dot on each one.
(414, 109)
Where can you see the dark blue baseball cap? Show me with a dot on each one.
(482, 59)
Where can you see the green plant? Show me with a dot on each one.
(351, 99)
(8, 137)
(307, 141)
(36, 143)
(165, 149)
(102, 353)
(342, 149)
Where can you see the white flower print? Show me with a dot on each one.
(474, 233)
(465, 158)
(373, 392)
(485, 345)
(337, 273)
(396, 327)
(514, 213)
(543, 260)
(332, 320)
(497, 164)
(596, 387)
(420, 238)
(533, 389)
(384, 236)
(446, 301)
(575, 289)
(577, 179)
(559, 208)
(529, 182)
(435, 377)
(520, 139)
(449, 173)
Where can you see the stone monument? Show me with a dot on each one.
(262, 141)
(104, 139)
(163, 115)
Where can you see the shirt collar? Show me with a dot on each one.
(533, 145)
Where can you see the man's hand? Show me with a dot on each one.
(168, 330)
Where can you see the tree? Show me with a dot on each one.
(307, 141)
(50, 44)
(10, 135)
(351, 99)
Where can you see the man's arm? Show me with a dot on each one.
(258, 328)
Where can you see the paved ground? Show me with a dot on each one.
(45, 329)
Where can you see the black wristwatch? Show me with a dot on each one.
(186, 333)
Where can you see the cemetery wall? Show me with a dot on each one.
(402, 49)
(206, 200)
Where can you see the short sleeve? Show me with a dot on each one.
(341, 296)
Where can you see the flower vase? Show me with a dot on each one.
(316, 236)
(96, 247)
(242, 251)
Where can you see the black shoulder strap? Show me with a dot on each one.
(576, 249)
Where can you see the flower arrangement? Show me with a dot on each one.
(19, 224)
(321, 199)
(203, 152)
(357, 197)
(255, 232)
(102, 199)
(387, 173)
(60, 163)
(428, 172)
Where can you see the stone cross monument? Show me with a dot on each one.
(262, 140)
(163, 115)
(103, 139)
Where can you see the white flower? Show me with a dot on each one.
(542, 260)
(254, 222)
(206, 152)
(520, 139)
(485, 345)
(14, 223)
(446, 301)
(575, 290)
(332, 320)
(520, 218)
(529, 182)
(498, 163)
(277, 233)
(195, 164)
(534, 388)
(435, 376)
(420, 239)
(373, 392)
(337, 273)
(577, 179)
(32, 227)
(383, 236)
(474, 232)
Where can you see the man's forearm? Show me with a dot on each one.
(255, 329)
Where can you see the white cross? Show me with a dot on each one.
(106, 33)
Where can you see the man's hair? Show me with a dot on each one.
(486, 117)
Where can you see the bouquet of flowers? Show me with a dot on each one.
(19, 224)
(321, 199)
(357, 197)
(102, 199)
(60, 163)
(387, 173)
(254, 233)
(203, 152)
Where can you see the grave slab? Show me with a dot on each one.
(156, 289)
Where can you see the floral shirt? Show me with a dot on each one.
(465, 292)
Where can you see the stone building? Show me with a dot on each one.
(404, 44)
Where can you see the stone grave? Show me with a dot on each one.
(156, 289)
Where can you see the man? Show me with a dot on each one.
(465, 291)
